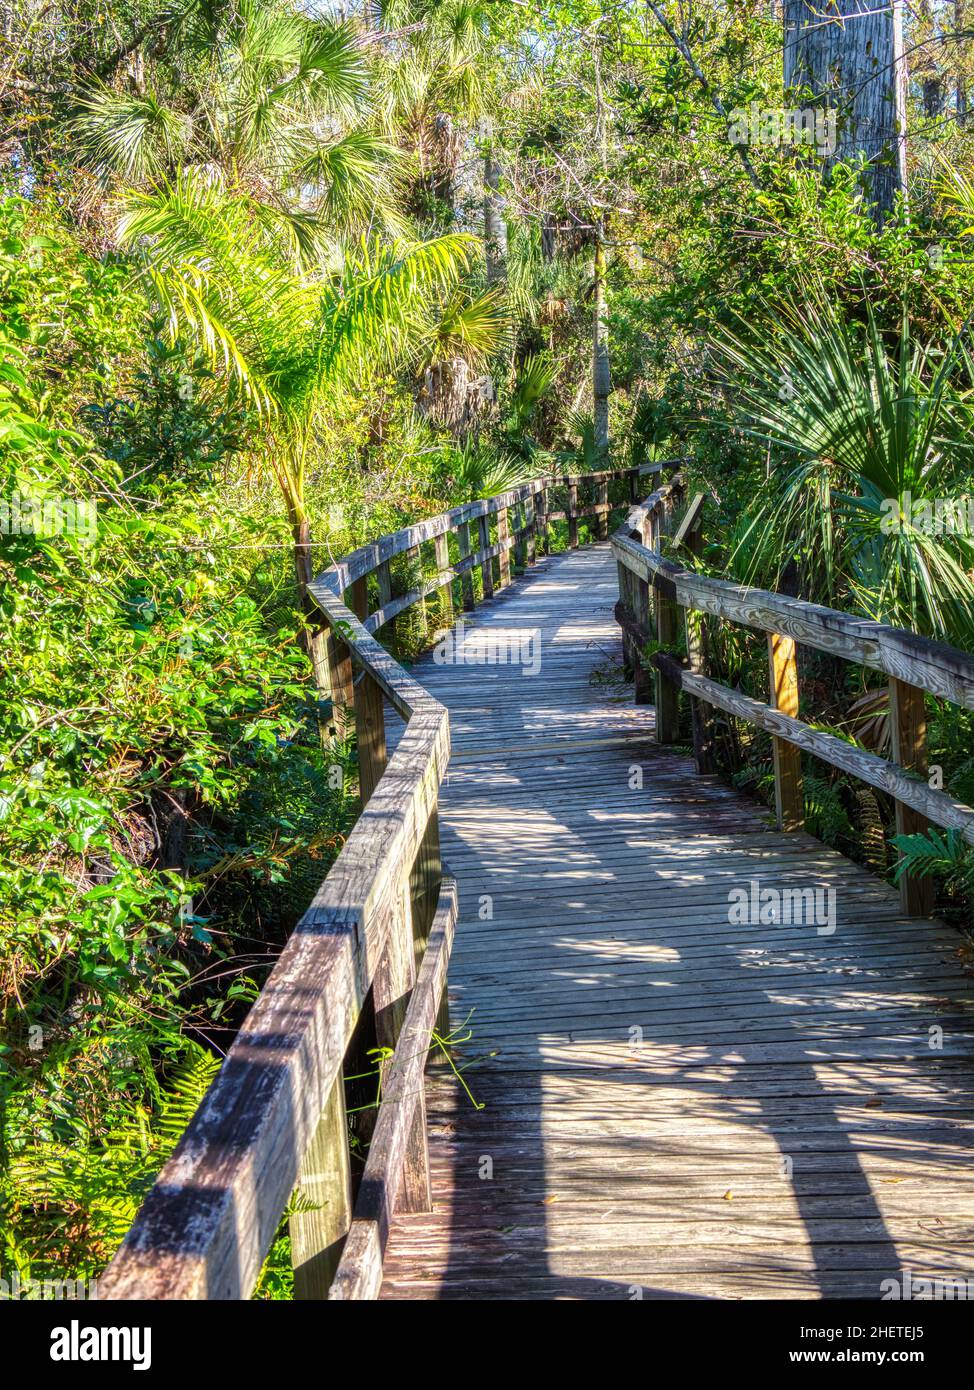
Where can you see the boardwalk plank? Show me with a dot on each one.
(673, 1105)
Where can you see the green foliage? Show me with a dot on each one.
(937, 854)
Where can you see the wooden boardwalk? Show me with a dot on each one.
(673, 1105)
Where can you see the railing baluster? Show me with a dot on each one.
(383, 576)
(667, 694)
(370, 734)
(393, 983)
(487, 564)
(789, 803)
(643, 682)
(503, 540)
(324, 1179)
(908, 726)
(466, 579)
(530, 533)
(340, 680)
(602, 502)
(442, 548)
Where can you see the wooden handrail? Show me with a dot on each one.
(273, 1122)
(913, 663)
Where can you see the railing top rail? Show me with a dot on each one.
(209, 1219)
(934, 666)
(343, 573)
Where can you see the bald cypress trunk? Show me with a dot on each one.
(847, 56)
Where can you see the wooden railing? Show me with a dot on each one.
(378, 933)
(652, 590)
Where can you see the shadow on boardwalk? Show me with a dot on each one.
(674, 1106)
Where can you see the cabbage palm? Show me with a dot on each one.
(874, 435)
(259, 96)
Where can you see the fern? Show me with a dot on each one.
(935, 853)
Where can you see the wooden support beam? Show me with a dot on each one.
(370, 735)
(644, 682)
(908, 726)
(487, 566)
(441, 547)
(340, 681)
(783, 665)
(357, 598)
(573, 515)
(531, 532)
(466, 578)
(504, 538)
(541, 521)
(667, 693)
(383, 576)
(704, 731)
(689, 527)
(602, 502)
(391, 990)
(359, 1275)
(324, 1178)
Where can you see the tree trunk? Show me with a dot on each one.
(313, 641)
(960, 56)
(847, 56)
(495, 228)
(548, 230)
(601, 376)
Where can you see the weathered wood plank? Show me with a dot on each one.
(359, 1275)
(908, 728)
(788, 796)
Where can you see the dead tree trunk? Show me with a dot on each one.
(847, 57)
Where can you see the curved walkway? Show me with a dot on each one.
(673, 1104)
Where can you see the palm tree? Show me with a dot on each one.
(255, 96)
(290, 342)
(877, 437)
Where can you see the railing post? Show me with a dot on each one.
(530, 531)
(503, 540)
(789, 802)
(408, 935)
(602, 502)
(340, 681)
(573, 515)
(487, 564)
(466, 579)
(391, 987)
(633, 484)
(383, 578)
(701, 715)
(667, 694)
(324, 1178)
(541, 520)
(441, 547)
(642, 680)
(908, 726)
(370, 734)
